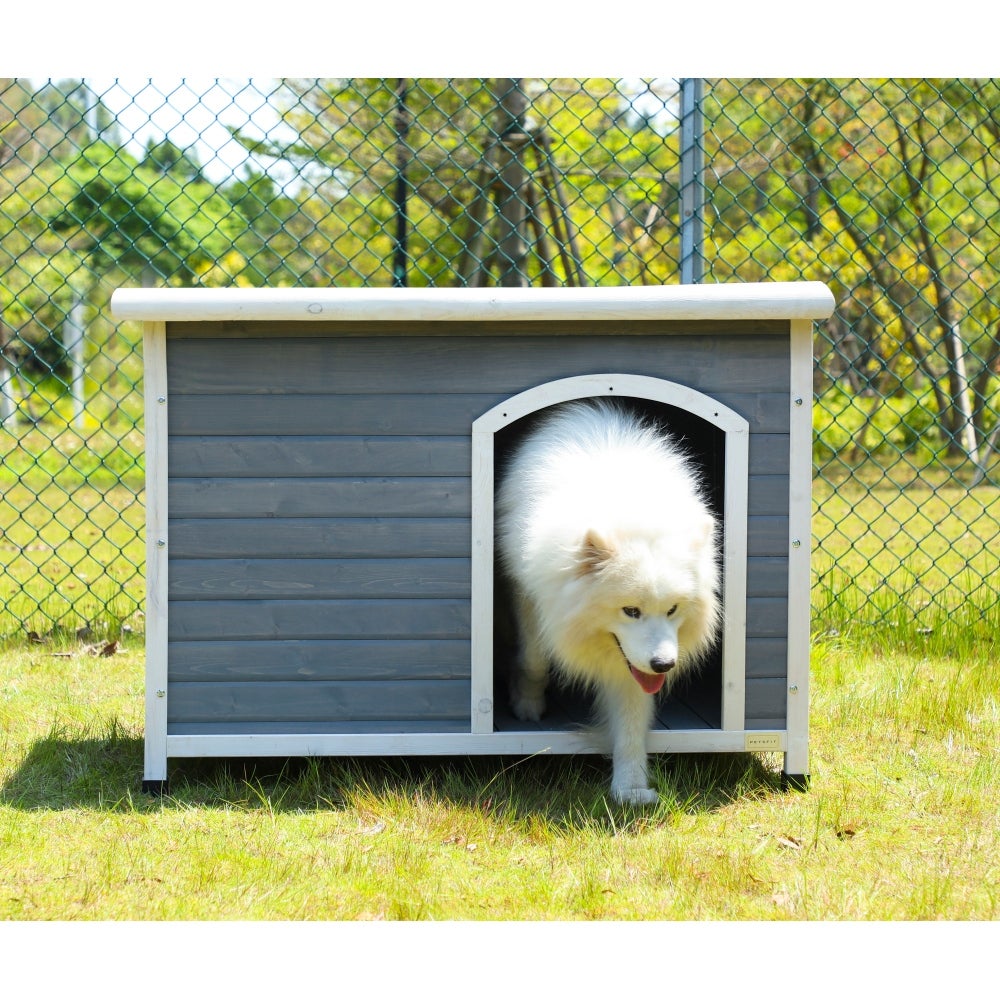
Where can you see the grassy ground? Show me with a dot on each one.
(900, 822)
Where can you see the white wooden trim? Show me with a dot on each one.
(482, 578)
(733, 301)
(609, 384)
(734, 571)
(799, 543)
(155, 403)
(448, 744)
(734, 594)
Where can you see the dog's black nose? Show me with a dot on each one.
(661, 666)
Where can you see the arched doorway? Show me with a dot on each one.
(717, 440)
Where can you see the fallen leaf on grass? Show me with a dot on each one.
(97, 649)
(457, 840)
(793, 843)
(102, 648)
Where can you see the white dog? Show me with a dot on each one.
(611, 551)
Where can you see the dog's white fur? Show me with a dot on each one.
(611, 551)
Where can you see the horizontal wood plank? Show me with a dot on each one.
(766, 698)
(350, 413)
(767, 536)
(444, 496)
(386, 619)
(380, 365)
(767, 617)
(765, 411)
(321, 701)
(768, 454)
(400, 414)
(354, 727)
(294, 579)
(292, 456)
(768, 495)
(304, 537)
(763, 725)
(767, 657)
(767, 577)
(324, 660)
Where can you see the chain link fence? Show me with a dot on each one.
(887, 190)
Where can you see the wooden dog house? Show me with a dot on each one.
(320, 473)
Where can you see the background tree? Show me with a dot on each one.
(614, 166)
(156, 216)
(884, 189)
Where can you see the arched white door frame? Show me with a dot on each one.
(734, 528)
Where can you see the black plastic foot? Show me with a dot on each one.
(156, 787)
(795, 782)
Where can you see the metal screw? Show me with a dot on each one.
(161, 399)
(793, 688)
(161, 543)
(161, 693)
(798, 400)
(796, 543)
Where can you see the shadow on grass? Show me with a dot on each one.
(70, 770)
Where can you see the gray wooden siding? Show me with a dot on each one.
(293, 579)
(310, 619)
(356, 496)
(330, 701)
(320, 501)
(320, 659)
(290, 456)
(306, 537)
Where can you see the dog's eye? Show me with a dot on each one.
(672, 611)
(632, 612)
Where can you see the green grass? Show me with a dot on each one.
(900, 822)
(71, 559)
(923, 555)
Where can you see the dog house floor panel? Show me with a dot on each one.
(567, 713)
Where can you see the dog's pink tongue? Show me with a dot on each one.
(650, 683)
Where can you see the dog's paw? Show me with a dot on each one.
(526, 708)
(635, 796)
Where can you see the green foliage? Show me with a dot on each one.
(143, 215)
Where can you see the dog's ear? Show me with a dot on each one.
(595, 552)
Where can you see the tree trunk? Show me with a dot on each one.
(510, 199)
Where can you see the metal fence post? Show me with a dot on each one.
(692, 193)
